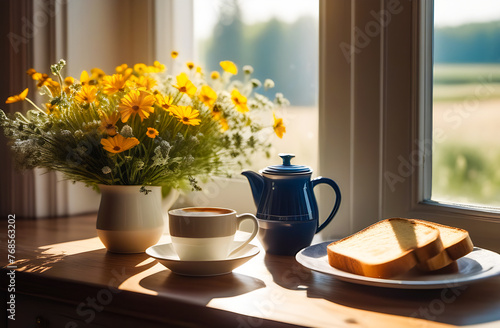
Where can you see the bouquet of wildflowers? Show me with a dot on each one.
(141, 126)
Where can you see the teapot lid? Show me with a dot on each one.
(287, 167)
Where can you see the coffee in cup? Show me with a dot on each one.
(207, 233)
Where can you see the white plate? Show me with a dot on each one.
(477, 265)
(166, 255)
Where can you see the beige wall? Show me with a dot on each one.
(108, 33)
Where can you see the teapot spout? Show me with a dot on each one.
(256, 184)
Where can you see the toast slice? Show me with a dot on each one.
(456, 242)
(387, 248)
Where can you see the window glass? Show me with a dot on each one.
(279, 39)
(466, 102)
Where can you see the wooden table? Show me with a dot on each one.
(65, 278)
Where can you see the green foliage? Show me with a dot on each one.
(466, 174)
(465, 73)
(463, 173)
(469, 43)
(72, 137)
(287, 52)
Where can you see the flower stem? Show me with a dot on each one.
(60, 82)
(34, 105)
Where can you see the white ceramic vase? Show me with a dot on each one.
(129, 220)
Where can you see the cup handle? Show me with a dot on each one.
(336, 188)
(240, 218)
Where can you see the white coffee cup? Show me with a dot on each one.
(207, 233)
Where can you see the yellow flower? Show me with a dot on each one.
(97, 73)
(118, 143)
(278, 126)
(224, 125)
(51, 109)
(239, 101)
(43, 79)
(159, 67)
(84, 78)
(187, 115)
(184, 85)
(229, 67)
(216, 112)
(146, 82)
(69, 80)
(121, 69)
(199, 70)
(152, 133)
(165, 102)
(190, 64)
(207, 96)
(136, 102)
(31, 71)
(131, 81)
(108, 122)
(114, 83)
(214, 75)
(174, 54)
(53, 86)
(36, 76)
(16, 98)
(87, 94)
(140, 68)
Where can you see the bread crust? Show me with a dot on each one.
(392, 267)
(387, 269)
(435, 263)
(461, 247)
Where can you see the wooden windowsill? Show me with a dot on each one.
(66, 278)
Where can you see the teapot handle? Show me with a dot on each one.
(336, 188)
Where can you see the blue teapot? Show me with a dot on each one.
(286, 206)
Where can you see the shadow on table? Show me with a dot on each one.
(287, 272)
(201, 290)
(105, 265)
(464, 305)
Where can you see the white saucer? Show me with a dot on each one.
(166, 255)
(477, 265)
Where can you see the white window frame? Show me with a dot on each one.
(482, 222)
(375, 121)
